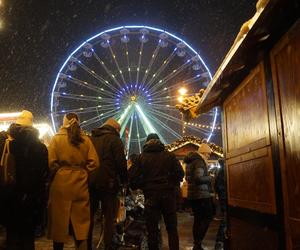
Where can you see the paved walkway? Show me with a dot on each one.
(185, 221)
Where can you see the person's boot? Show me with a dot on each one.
(197, 246)
(219, 245)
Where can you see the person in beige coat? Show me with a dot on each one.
(71, 156)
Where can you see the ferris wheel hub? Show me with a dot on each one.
(133, 98)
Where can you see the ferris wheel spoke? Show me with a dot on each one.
(116, 63)
(128, 63)
(85, 98)
(166, 127)
(85, 84)
(125, 113)
(145, 128)
(178, 85)
(176, 120)
(77, 97)
(163, 99)
(161, 68)
(123, 122)
(129, 134)
(95, 75)
(90, 121)
(198, 77)
(138, 134)
(78, 110)
(153, 57)
(108, 72)
(163, 107)
(139, 63)
(109, 115)
(97, 118)
(174, 73)
(164, 115)
(148, 126)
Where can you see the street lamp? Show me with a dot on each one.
(182, 92)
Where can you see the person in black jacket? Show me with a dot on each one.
(161, 173)
(199, 188)
(110, 177)
(27, 197)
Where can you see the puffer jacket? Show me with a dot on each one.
(199, 182)
(110, 149)
(160, 169)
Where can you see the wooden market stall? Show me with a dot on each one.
(257, 87)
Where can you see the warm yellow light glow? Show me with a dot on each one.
(180, 99)
(43, 128)
(6, 119)
(182, 91)
(1, 24)
(9, 116)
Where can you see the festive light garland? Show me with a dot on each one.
(196, 141)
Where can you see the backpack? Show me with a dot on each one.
(7, 166)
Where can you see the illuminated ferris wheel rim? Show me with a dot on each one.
(129, 27)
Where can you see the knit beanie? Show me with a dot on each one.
(204, 148)
(152, 136)
(25, 118)
(113, 123)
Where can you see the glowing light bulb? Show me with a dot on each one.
(180, 99)
(182, 91)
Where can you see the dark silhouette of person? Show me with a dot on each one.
(26, 197)
(199, 192)
(161, 174)
(220, 188)
(110, 177)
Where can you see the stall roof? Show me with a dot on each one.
(257, 36)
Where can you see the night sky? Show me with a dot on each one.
(38, 35)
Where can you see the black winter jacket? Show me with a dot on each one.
(159, 168)
(28, 196)
(31, 157)
(113, 165)
(198, 180)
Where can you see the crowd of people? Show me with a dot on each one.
(76, 172)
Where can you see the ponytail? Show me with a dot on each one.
(73, 129)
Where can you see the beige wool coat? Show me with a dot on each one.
(69, 195)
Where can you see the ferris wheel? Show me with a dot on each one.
(132, 73)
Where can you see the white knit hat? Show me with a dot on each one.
(204, 148)
(25, 118)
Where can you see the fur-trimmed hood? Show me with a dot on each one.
(25, 134)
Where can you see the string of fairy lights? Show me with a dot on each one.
(185, 140)
(198, 125)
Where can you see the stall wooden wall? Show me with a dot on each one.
(285, 58)
(262, 144)
(250, 170)
(248, 152)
